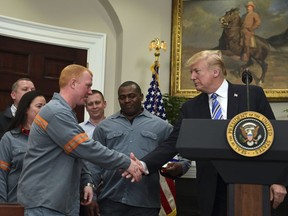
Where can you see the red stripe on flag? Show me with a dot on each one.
(171, 185)
(164, 202)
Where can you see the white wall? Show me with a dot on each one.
(142, 21)
(129, 25)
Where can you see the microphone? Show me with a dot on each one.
(247, 79)
(246, 76)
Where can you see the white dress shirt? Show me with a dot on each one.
(222, 98)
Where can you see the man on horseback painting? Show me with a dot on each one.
(236, 37)
(250, 21)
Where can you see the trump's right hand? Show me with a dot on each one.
(135, 170)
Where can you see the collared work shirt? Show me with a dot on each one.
(140, 137)
(53, 162)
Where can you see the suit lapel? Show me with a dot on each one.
(197, 108)
(203, 106)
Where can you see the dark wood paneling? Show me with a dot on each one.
(40, 62)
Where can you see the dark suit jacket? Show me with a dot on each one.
(5, 119)
(198, 108)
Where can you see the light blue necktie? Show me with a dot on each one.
(216, 108)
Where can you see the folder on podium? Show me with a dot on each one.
(205, 139)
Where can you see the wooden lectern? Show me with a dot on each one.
(248, 178)
(11, 209)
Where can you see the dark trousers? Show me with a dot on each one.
(109, 207)
(220, 203)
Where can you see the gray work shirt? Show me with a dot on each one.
(140, 137)
(13, 147)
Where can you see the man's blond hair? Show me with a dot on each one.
(71, 71)
(212, 57)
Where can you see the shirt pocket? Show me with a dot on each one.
(114, 140)
(150, 141)
(114, 135)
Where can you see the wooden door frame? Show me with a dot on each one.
(94, 43)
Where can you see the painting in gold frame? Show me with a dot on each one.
(196, 27)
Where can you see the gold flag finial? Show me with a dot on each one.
(157, 45)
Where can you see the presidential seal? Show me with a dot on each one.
(250, 134)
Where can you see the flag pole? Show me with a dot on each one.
(154, 104)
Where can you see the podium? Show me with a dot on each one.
(11, 209)
(248, 177)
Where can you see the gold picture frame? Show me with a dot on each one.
(180, 83)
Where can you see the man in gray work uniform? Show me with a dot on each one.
(49, 182)
(135, 129)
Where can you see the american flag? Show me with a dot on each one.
(154, 104)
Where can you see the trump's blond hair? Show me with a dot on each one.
(212, 57)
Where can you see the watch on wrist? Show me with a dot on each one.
(90, 185)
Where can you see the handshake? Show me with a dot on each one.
(138, 168)
(135, 170)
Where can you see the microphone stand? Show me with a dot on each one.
(247, 79)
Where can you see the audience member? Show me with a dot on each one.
(95, 106)
(19, 88)
(131, 129)
(14, 144)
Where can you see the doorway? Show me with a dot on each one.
(93, 43)
(40, 62)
